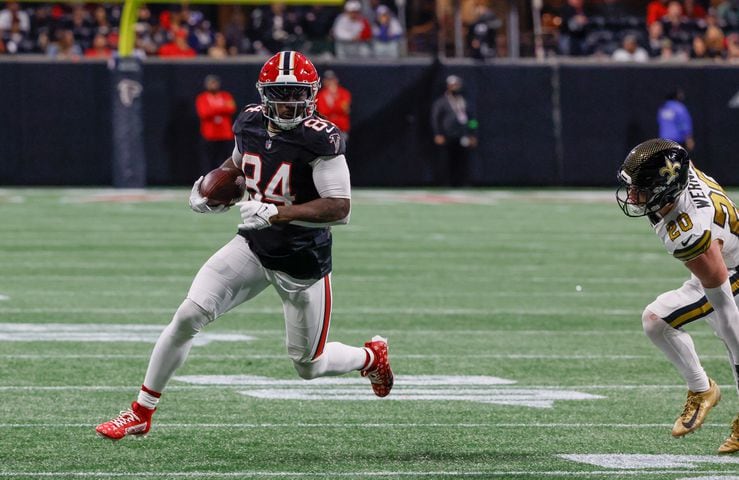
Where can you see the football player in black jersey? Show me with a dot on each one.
(297, 181)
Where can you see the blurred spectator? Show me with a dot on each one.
(2, 47)
(65, 48)
(612, 12)
(42, 44)
(656, 9)
(630, 51)
(144, 22)
(100, 22)
(99, 48)
(573, 30)
(655, 39)
(715, 43)
(317, 23)
(698, 49)
(201, 37)
(81, 24)
(42, 22)
(235, 33)
(334, 102)
(276, 28)
(352, 32)
(482, 34)
(674, 120)
(386, 34)
(144, 43)
(732, 47)
(669, 54)
(215, 109)
(693, 11)
(179, 47)
(423, 27)
(727, 13)
(11, 12)
(454, 130)
(15, 40)
(219, 48)
(677, 27)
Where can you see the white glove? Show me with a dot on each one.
(255, 215)
(199, 203)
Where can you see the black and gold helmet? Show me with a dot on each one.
(653, 175)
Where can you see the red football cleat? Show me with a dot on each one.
(134, 421)
(379, 372)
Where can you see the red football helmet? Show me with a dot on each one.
(288, 84)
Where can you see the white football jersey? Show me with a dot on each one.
(702, 213)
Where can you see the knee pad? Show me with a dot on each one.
(310, 370)
(652, 324)
(189, 319)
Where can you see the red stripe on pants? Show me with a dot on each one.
(326, 316)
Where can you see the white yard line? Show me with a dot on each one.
(341, 311)
(117, 388)
(229, 426)
(502, 356)
(441, 474)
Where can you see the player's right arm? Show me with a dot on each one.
(709, 266)
(711, 270)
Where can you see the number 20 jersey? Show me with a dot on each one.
(702, 213)
(278, 170)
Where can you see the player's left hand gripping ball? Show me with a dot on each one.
(256, 215)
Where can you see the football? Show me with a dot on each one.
(223, 186)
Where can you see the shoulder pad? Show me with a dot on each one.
(322, 137)
(696, 248)
(250, 114)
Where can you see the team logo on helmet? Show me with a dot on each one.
(671, 170)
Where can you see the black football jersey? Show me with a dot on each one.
(277, 170)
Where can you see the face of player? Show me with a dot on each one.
(287, 102)
(633, 200)
(637, 196)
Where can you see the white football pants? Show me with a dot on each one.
(664, 318)
(234, 275)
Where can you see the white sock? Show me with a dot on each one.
(679, 349)
(148, 399)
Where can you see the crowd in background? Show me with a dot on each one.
(69, 31)
(667, 30)
(664, 30)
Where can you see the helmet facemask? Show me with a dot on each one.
(287, 105)
(639, 201)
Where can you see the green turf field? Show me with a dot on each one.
(505, 368)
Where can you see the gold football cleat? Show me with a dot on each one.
(696, 408)
(731, 444)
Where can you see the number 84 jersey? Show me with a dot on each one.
(702, 213)
(278, 167)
